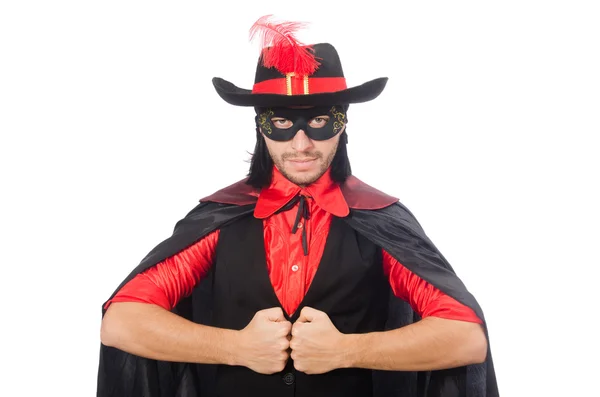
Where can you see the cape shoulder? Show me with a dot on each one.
(200, 221)
(358, 195)
(396, 230)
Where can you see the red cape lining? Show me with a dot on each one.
(358, 195)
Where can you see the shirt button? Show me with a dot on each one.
(288, 378)
(300, 225)
(295, 268)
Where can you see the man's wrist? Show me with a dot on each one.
(232, 347)
(351, 350)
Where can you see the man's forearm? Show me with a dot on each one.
(150, 331)
(430, 344)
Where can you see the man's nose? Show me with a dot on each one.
(301, 142)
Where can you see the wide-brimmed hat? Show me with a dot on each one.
(290, 73)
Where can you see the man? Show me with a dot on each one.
(300, 280)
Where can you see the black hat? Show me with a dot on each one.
(292, 74)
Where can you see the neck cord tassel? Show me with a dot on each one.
(303, 213)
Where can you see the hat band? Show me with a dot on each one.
(300, 85)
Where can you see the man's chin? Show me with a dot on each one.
(302, 178)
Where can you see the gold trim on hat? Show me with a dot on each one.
(288, 83)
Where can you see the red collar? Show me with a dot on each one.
(326, 193)
(356, 194)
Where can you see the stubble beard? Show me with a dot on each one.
(305, 180)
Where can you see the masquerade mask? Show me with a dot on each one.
(319, 123)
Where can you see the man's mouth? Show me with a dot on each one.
(301, 165)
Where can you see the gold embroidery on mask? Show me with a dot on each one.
(340, 119)
(263, 120)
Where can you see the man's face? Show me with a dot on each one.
(302, 160)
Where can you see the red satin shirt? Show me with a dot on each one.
(290, 270)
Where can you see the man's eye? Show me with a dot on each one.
(318, 122)
(282, 123)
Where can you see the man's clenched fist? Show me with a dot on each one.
(317, 346)
(265, 343)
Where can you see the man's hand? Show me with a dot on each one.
(265, 343)
(317, 346)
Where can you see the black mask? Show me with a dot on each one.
(301, 119)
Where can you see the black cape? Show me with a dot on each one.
(393, 228)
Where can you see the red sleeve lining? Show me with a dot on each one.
(172, 279)
(424, 298)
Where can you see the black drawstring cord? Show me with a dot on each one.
(303, 212)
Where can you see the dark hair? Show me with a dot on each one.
(261, 164)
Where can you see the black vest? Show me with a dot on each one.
(349, 286)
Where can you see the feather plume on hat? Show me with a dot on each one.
(280, 48)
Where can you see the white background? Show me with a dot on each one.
(111, 131)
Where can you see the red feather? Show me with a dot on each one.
(281, 49)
